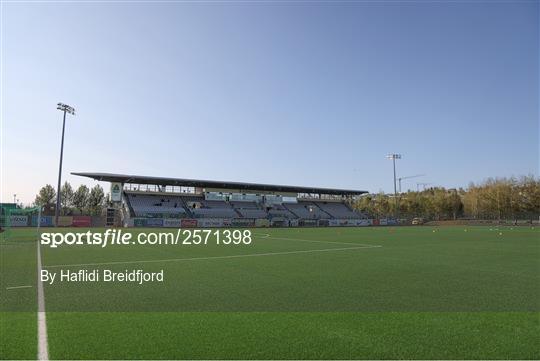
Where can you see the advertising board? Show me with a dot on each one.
(188, 223)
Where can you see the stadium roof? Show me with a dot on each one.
(124, 178)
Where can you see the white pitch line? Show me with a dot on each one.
(266, 235)
(43, 345)
(17, 287)
(213, 257)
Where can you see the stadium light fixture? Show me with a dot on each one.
(66, 109)
(393, 157)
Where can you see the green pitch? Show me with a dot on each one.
(317, 293)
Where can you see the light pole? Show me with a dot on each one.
(14, 198)
(395, 156)
(66, 109)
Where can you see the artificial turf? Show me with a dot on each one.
(425, 293)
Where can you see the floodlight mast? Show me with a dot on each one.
(66, 109)
(395, 156)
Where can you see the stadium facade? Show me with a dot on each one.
(144, 201)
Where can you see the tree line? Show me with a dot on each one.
(495, 198)
(80, 201)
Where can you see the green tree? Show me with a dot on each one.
(80, 198)
(46, 199)
(96, 200)
(66, 198)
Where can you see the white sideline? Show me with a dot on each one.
(212, 257)
(43, 346)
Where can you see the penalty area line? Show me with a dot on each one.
(17, 287)
(268, 236)
(213, 257)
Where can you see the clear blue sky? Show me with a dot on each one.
(289, 93)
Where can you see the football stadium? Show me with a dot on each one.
(165, 202)
(269, 180)
(317, 280)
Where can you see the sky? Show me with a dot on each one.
(296, 93)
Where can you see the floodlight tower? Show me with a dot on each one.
(394, 156)
(14, 198)
(66, 109)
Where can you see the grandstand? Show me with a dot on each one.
(171, 202)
